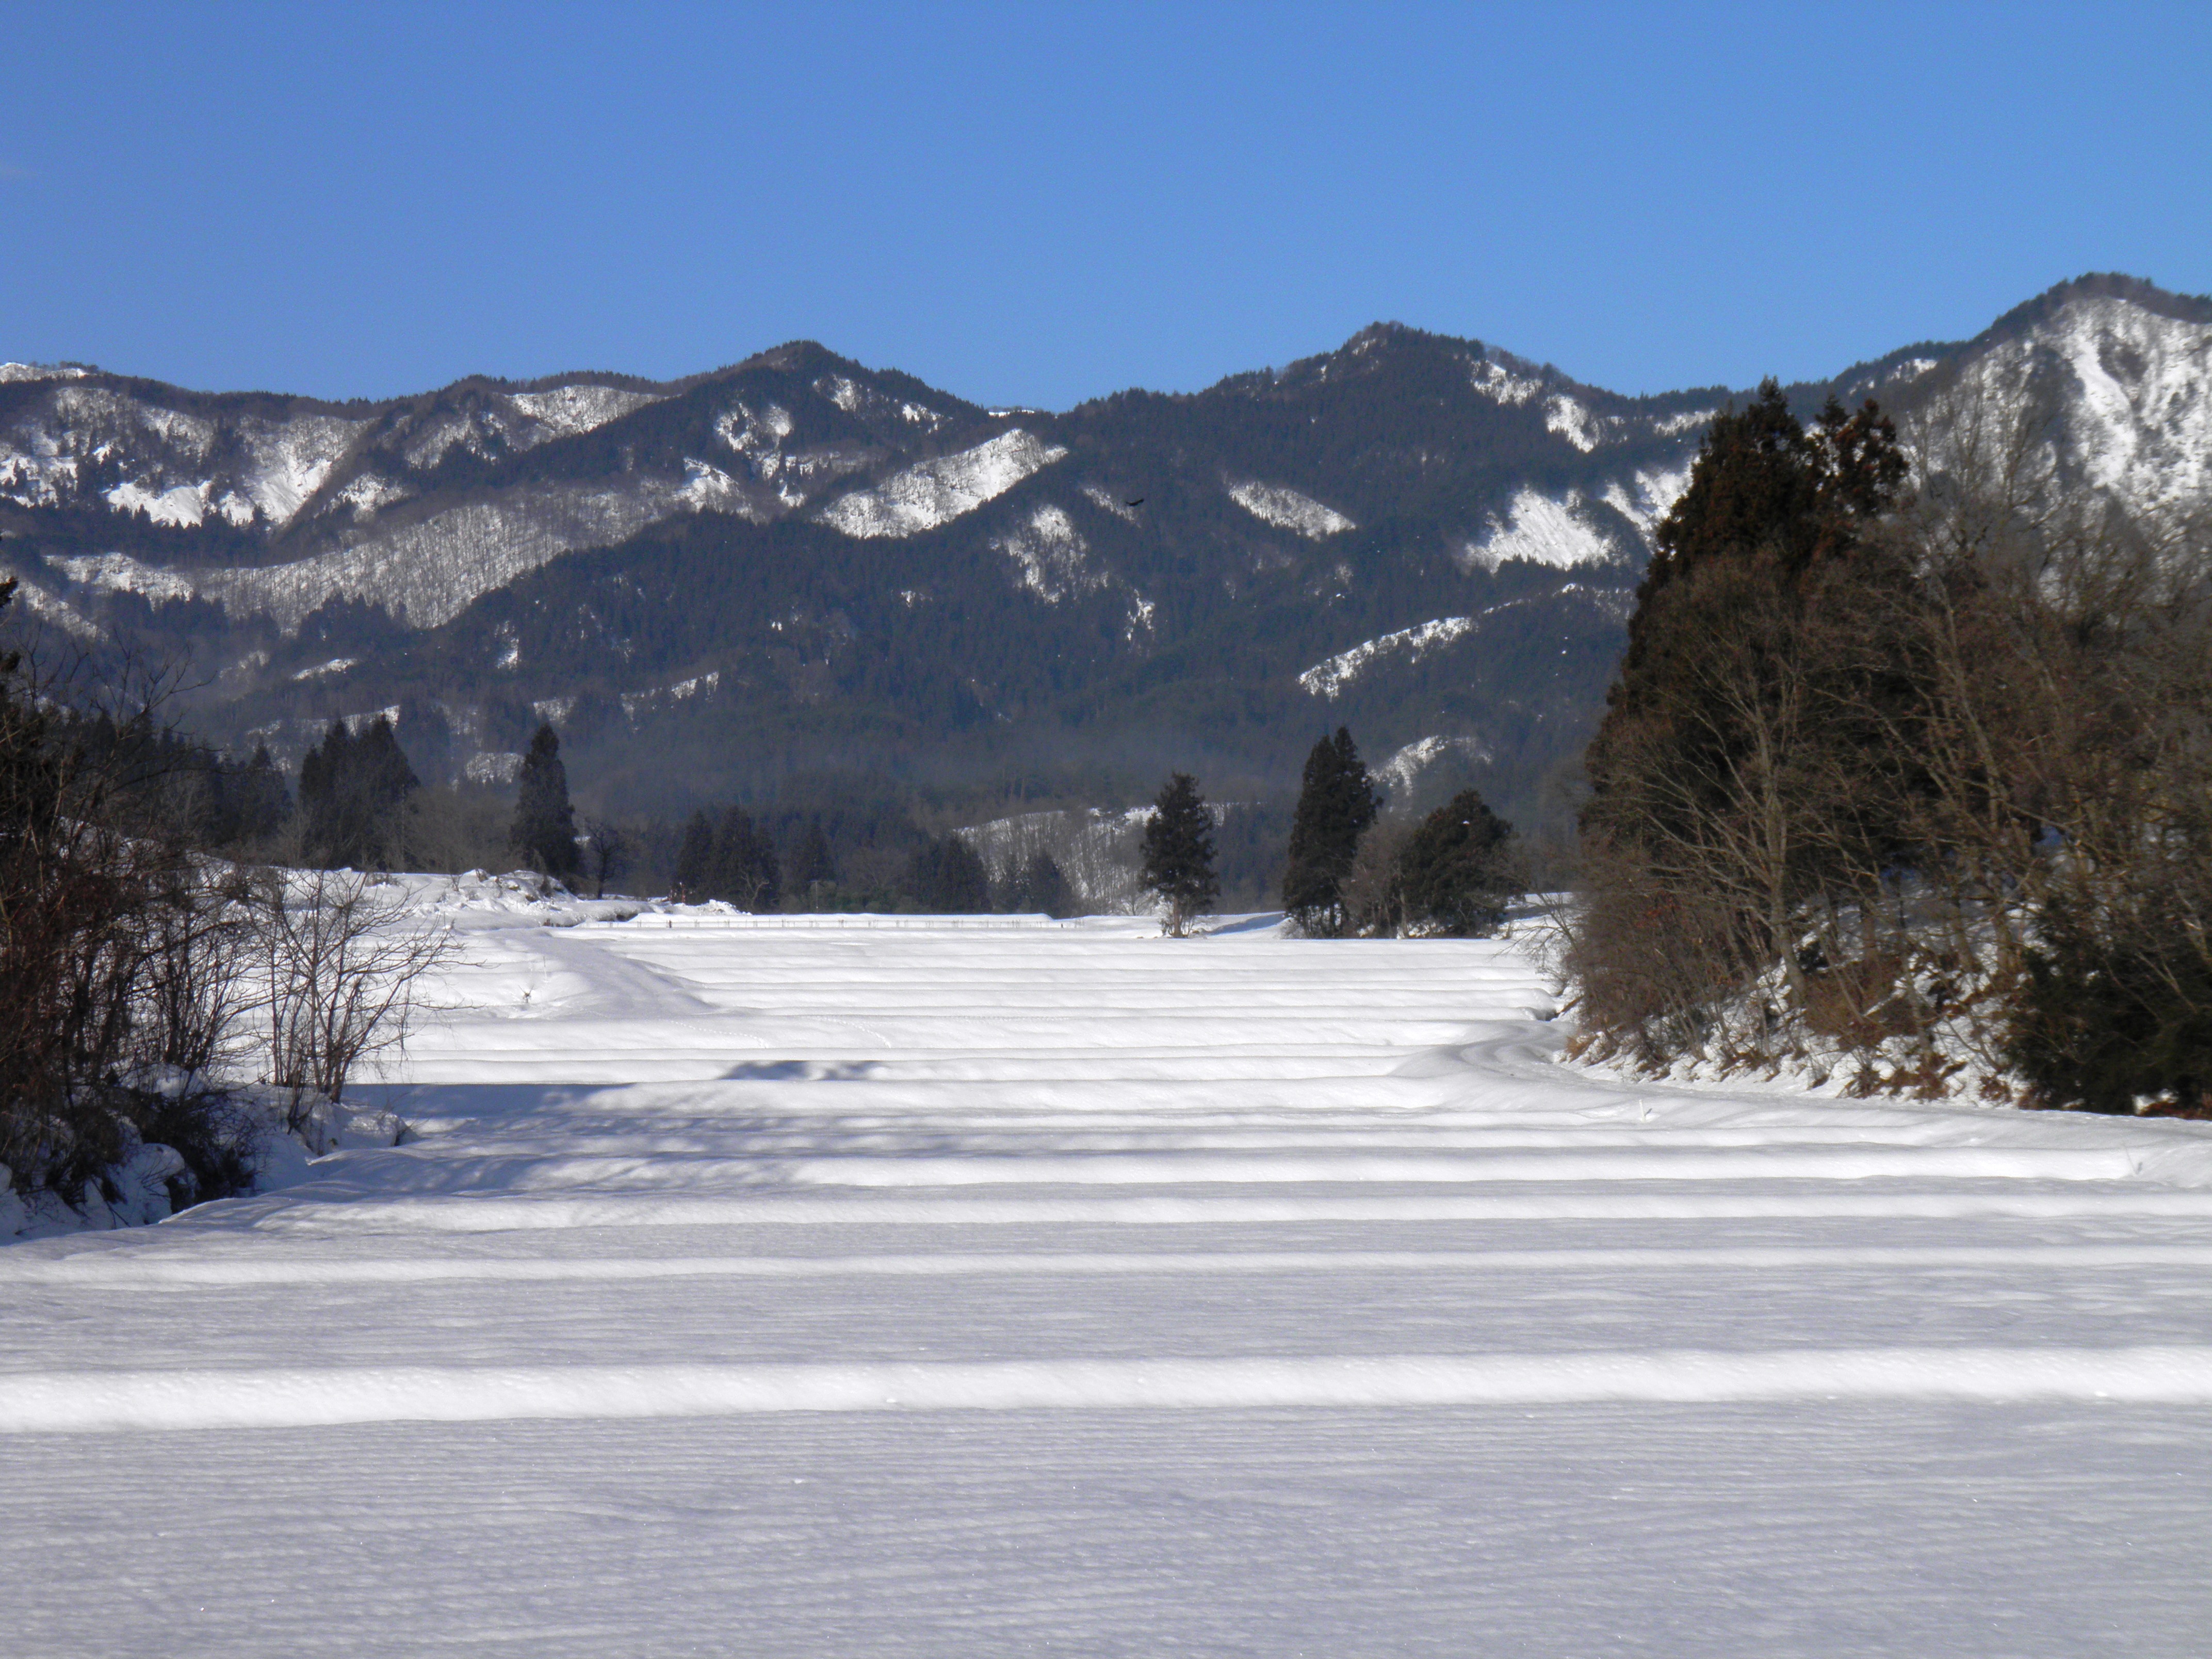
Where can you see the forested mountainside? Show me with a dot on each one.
(797, 575)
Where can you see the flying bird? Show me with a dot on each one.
(1139, 501)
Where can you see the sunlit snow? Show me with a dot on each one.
(1405, 769)
(1648, 496)
(1049, 554)
(1568, 418)
(1328, 678)
(973, 1286)
(935, 493)
(179, 504)
(119, 572)
(1289, 509)
(1542, 530)
(566, 410)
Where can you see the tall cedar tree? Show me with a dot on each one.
(1179, 853)
(695, 859)
(745, 870)
(1455, 869)
(1037, 884)
(1748, 758)
(947, 877)
(544, 829)
(813, 866)
(727, 856)
(1337, 802)
(351, 790)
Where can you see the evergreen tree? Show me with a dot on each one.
(695, 859)
(947, 877)
(351, 789)
(1337, 802)
(264, 802)
(1036, 884)
(1179, 853)
(745, 867)
(544, 829)
(1756, 751)
(1456, 870)
(812, 868)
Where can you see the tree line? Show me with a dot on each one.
(143, 982)
(1907, 771)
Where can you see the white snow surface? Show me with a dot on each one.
(119, 572)
(2137, 390)
(968, 1286)
(12, 373)
(933, 493)
(565, 410)
(428, 573)
(1542, 530)
(1050, 555)
(1568, 418)
(1328, 678)
(973, 1286)
(1400, 774)
(1496, 381)
(1289, 509)
(1649, 495)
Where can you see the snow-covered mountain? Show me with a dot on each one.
(1430, 539)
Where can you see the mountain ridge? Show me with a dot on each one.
(870, 576)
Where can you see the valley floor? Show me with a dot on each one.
(951, 1288)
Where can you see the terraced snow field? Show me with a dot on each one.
(963, 1288)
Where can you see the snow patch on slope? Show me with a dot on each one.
(1570, 421)
(1098, 495)
(1649, 496)
(428, 574)
(291, 459)
(568, 409)
(1049, 552)
(934, 493)
(1401, 773)
(368, 492)
(1328, 678)
(119, 573)
(51, 607)
(682, 691)
(1290, 509)
(2138, 396)
(1500, 385)
(178, 506)
(10, 373)
(1542, 530)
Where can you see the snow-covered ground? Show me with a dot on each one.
(955, 1287)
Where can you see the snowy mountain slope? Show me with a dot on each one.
(970, 1287)
(2123, 380)
(853, 554)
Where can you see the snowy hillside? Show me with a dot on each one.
(843, 553)
(971, 1286)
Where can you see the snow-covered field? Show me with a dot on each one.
(969, 1288)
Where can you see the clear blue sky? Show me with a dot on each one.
(1038, 203)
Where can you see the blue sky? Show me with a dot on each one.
(1041, 203)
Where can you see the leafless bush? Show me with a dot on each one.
(1374, 892)
(337, 965)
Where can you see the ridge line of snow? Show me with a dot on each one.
(76, 1402)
